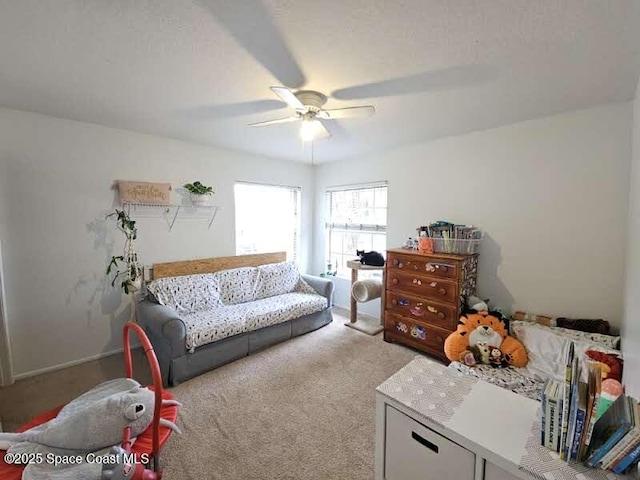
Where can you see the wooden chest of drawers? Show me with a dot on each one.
(424, 295)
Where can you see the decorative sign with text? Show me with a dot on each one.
(144, 192)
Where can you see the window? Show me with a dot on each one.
(357, 221)
(267, 219)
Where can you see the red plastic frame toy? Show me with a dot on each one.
(142, 473)
(149, 442)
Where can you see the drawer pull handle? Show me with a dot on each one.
(435, 311)
(432, 267)
(442, 291)
(431, 446)
(394, 281)
(417, 282)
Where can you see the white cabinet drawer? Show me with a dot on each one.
(413, 451)
(493, 472)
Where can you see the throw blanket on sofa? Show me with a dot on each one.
(214, 306)
(210, 325)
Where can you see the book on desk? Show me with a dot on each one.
(582, 425)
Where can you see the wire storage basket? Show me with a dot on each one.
(456, 245)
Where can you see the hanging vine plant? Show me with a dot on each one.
(125, 268)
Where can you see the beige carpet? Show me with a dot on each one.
(300, 410)
(28, 398)
(303, 409)
(368, 325)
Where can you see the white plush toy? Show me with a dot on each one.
(93, 422)
(474, 303)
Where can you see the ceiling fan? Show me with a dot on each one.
(308, 106)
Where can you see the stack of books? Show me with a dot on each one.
(448, 237)
(590, 422)
(450, 231)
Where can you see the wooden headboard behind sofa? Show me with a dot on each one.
(210, 265)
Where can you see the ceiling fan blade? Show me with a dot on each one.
(459, 76)
(274, 122)
(232, 110)
(348, 112)
(251, 25)
(337, 130)
(321, 132)
(288, 96)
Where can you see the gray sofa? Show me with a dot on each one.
(180, 360)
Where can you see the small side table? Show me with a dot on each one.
(355, 267)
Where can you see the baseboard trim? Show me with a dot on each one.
(345, 311)
(72, 363)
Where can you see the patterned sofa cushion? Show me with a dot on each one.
(187, 293)
(276, 279)
(208, 326)
(304, 287)
(237, 285)
(273, 310)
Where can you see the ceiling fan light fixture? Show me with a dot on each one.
(309, 129)
(308, 108)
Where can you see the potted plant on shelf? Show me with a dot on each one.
(125, 267)
(200, 194)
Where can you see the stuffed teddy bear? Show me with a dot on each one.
(483, 354)
(475, 328)
(484, 350)
(476, 355)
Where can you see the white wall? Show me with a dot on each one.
(57, 179)
(550, 195)
(6, 376)
(631, 322)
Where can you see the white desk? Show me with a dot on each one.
(434, 422)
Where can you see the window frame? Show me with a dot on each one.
(331, 226)
(297, 194)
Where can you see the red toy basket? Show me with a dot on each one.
(151, 440)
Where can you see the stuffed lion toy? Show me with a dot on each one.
(486, 329)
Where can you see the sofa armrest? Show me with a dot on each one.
(321, 285)
(164, 326)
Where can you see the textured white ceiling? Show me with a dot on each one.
(200, 69)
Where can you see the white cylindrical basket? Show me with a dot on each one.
(368, 289)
